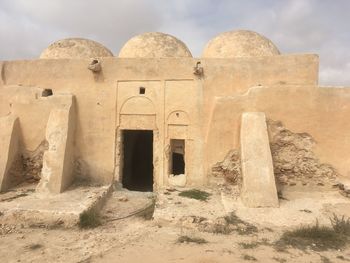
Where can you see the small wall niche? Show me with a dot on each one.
(177, 157)
(47, 93)
(142, 90)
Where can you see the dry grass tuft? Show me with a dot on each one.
(187, 239)
(341, 225)
(315, 237)
(250, 258)
(195, 194)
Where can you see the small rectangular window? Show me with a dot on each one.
(177, 157)
(142, 90)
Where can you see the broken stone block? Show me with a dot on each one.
(177, 180)
(58, 160)
(10, 175)
(259, 187)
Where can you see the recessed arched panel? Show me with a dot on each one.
(138, 105)
(178, 118)
(177, 125)
(138, 113)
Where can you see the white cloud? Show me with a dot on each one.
(110, 22)
(296, 26)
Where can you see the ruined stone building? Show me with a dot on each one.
(154, 116)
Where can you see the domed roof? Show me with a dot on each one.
(241, 43)
(76, 48)
(154, 45)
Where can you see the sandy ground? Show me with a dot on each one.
(124, 238)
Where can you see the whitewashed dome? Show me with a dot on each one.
(240, 43)
(75, 48)
(154, 45)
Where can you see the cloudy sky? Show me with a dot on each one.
(295, 26)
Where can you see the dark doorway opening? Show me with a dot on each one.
(177, 157)
(138, 160)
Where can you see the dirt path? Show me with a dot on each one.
(159, 245)
(135, 239)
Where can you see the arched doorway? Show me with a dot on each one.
(137, 121)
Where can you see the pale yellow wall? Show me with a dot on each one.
(212, 104)
(96, 98)
(228, 77)
(32, 109)
(321, 112)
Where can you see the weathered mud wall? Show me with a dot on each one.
(322, 112)
(32, 162)
(229, 168)
(16, 173)
(98, 98)
(294, 160)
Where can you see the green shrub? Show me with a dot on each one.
(316, 237)
(195, 194)
(89, 219)
(232, 223)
